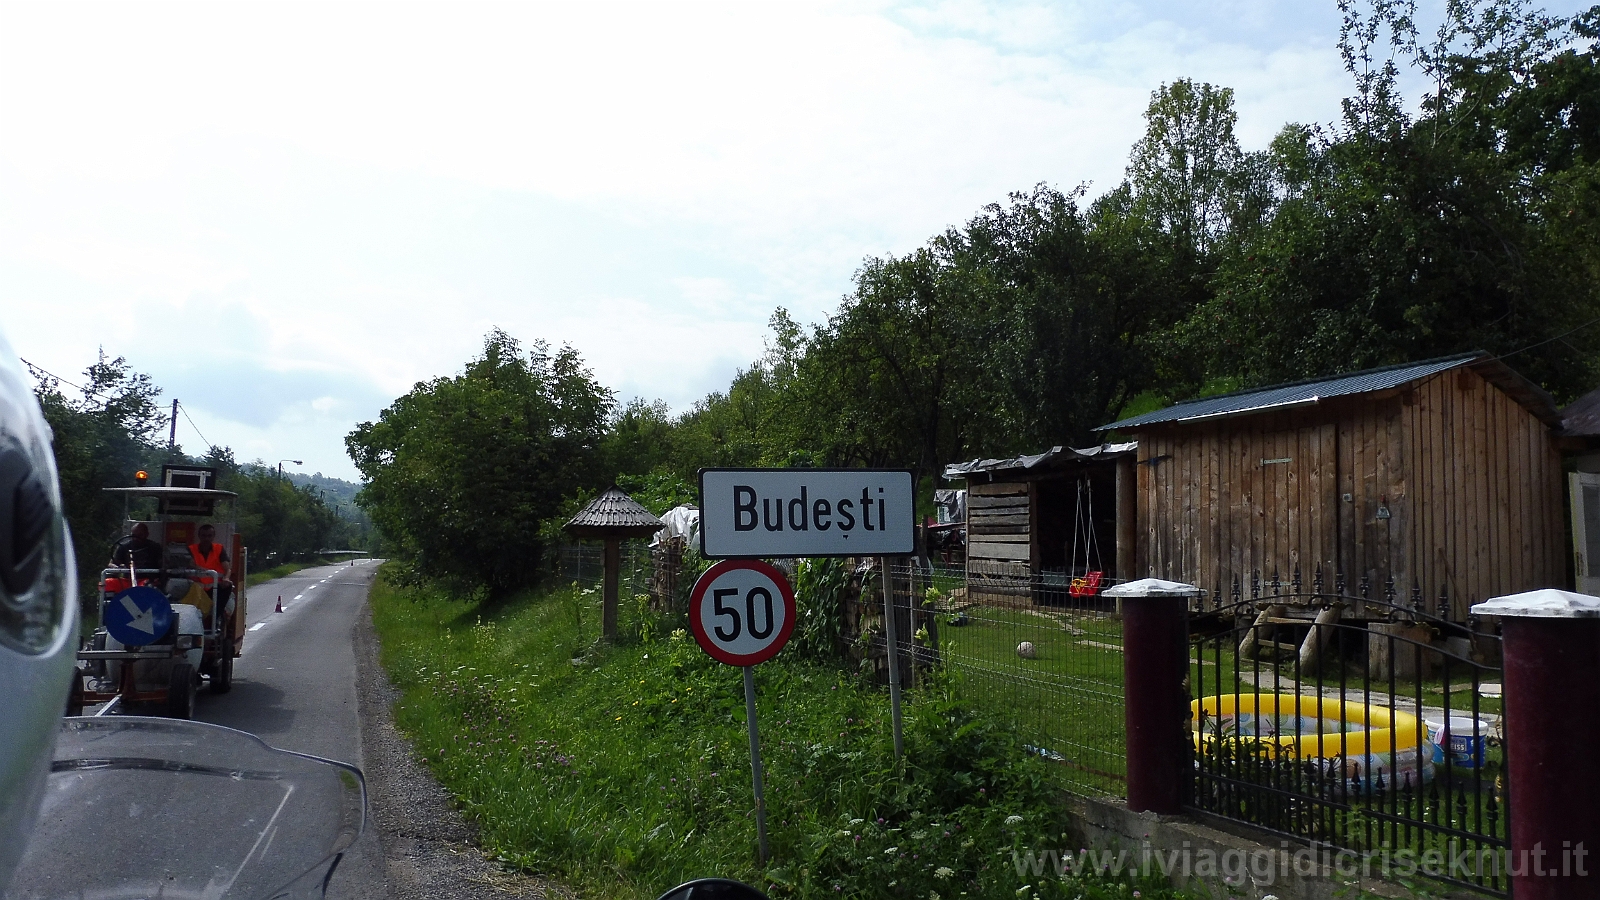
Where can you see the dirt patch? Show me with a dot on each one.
(429, 850)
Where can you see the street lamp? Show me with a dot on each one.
(280, 466)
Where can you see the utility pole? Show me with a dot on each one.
(172, 430)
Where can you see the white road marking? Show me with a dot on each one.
(298, 596)
(257, 626)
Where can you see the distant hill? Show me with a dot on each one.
(334, 487)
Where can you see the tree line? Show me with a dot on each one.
(112, 426)
(1410, 228)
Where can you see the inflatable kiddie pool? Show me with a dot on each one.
(1367, 746)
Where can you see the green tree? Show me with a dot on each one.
(1471, 227)
(463, 473)
(102, 435)
(1183, 171)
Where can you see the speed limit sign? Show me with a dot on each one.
(742, 611)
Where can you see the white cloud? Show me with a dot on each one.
(346, 197)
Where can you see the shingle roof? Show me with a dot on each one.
(613, 513)
(1305, 393)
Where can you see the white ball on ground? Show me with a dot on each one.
(1026, 650)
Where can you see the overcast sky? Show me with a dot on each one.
(289, 213)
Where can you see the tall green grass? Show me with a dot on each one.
(625, 770)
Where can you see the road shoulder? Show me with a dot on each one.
(429, 850)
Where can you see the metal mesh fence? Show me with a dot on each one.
(585, 565)
(1039, 649)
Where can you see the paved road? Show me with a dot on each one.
(295, 687)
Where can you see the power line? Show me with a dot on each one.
(1551, 340)
(185, 410)
(42, 371)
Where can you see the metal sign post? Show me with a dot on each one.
(742, 613)
(892, 636)
(756, 776)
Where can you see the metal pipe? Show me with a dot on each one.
(892, 637)
(756, 776)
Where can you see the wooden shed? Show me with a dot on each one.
(1444, 475)
(1037, 521)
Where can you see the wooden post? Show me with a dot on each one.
(1155, 664)
(608, 612)
(1249, 646)
(1320, 634)
(1127, 514)
(1389, 651)
(1552, 689)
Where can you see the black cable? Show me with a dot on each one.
(40, 370)
(185, 411)
(1550, 340)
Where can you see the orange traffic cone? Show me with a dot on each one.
(280, 604)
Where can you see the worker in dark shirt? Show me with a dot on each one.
(137, 547)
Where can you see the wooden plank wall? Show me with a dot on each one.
(1488, 493)
(1254, 495)
(1000, 541)
(1471, 481)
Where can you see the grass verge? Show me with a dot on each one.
(625, 770)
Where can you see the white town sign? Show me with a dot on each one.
(768, 513)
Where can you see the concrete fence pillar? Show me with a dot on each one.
(1155, 662)
(1552, 732)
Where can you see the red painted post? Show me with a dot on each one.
(1155, 662)
(1552, 727)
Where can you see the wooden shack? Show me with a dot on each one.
(1034, 522)
(1444, 475)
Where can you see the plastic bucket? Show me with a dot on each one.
(1465, 739)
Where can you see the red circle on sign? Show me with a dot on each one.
(712, 635)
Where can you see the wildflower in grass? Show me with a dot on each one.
(1013, 820)
(943, 872)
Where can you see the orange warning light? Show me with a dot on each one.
(141, 476)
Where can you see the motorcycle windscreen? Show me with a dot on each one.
(142, 807)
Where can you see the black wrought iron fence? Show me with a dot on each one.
(1367, 725)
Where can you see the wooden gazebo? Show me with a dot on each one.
(612, 517)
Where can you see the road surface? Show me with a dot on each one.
(295, 687)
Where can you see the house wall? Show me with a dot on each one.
(1470, 480)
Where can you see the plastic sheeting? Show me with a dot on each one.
(680, 521)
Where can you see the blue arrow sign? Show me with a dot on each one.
(138, 616)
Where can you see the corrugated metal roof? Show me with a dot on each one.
(614, 509)
(1054, 454)
(1581, 418)
(1300, 393)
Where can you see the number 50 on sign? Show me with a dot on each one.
(742, 611)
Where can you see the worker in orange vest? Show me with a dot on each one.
(209, 556)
